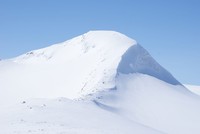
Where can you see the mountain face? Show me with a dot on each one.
(103, 77)
(81, 66)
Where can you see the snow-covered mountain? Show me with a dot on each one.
(80, 66)
(108, 84)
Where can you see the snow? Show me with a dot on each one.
(145, 99)
(137, 60)
(62, 116)
(193, 88)
(165, 107)
(73, 69)
(100, 82)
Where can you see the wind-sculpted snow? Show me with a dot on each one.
(137, 60)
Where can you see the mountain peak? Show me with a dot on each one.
(96, 57)
(92, 40)
(111, 32)
(106, 35)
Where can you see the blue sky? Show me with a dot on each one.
(169, 30)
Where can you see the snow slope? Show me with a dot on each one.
(193, 88)
(73, 69)
(78, 67)
(157, 104)
(110, 84)
(63, 116)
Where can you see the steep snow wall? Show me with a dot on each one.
(137, 60)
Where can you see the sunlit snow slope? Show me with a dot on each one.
(78, 67)
(110, 83)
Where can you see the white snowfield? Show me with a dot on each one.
(101, 82)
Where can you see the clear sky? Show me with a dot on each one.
(168, 29)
